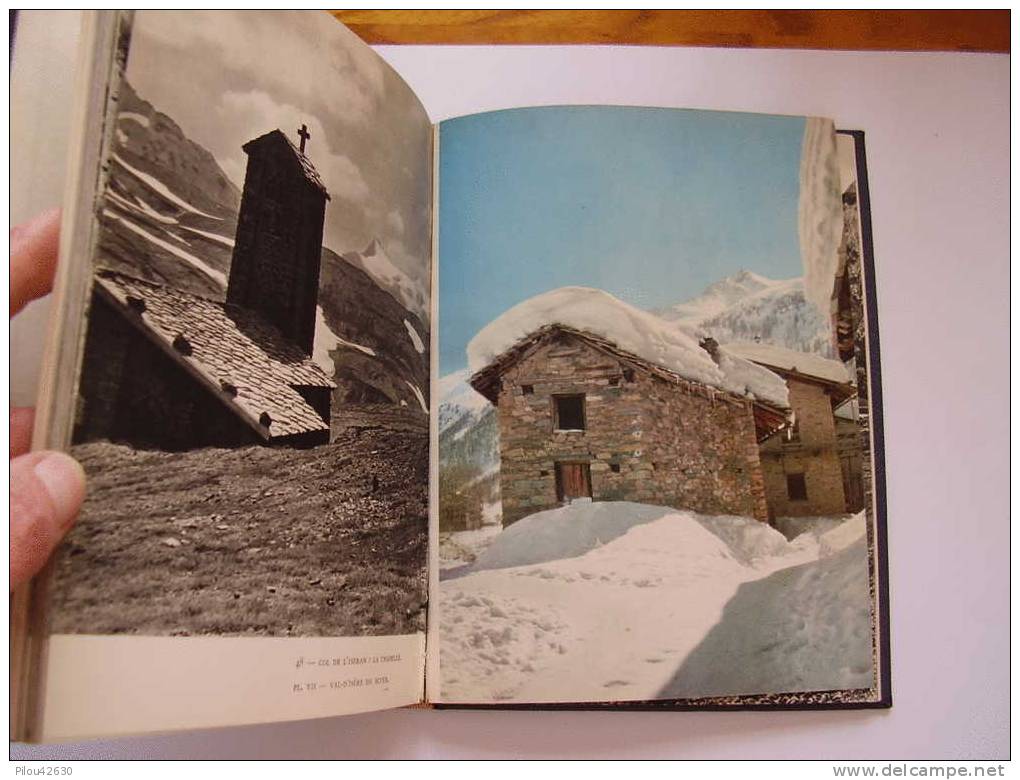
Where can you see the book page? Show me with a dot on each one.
(251, 396)
(656, 473)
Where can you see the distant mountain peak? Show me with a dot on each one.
(742, 280)
(747, 306)
(374, 260)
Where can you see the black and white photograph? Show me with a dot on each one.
(252, 403)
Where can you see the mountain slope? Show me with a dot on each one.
(377, 264)
(750, 307)
(468, 429)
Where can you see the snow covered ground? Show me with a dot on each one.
(622, 601)
(462, 548)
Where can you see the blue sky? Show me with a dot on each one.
(649, 204)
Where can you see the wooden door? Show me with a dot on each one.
(573, 480)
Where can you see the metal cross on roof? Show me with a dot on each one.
(305, 135)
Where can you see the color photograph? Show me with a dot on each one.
(654, 452)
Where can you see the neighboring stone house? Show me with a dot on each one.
(851, 454)
(809, 467)
(172, 370)
(581, 417)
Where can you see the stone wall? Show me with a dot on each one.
(812, 452)
(645, 440)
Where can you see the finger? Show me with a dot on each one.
(47, 489)
(34, 247)
(22, 420)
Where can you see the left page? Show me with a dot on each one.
(250, 390)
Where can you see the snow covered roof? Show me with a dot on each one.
(631, 330)
(791, 360)
(236, 354)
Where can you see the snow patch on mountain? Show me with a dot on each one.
(202, 266)
(717, 298)
(377, 264)
(419, 395)
(227, 242)
(325, 341)
(412, 334)
(137, 208)
(750, 307)
(157, 186)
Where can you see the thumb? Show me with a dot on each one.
(47, 489)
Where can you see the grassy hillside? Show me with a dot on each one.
(329, 541)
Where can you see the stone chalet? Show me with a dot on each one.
(578, 416)
(171, 370)
(812, 467)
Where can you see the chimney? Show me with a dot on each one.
(711, 346)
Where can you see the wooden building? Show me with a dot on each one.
(849, 329)
(581, 417)
(172, 370)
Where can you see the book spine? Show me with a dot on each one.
(102, 59)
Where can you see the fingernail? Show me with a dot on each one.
(64, 481)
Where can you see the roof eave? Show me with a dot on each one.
(485, 380)
(215, 390)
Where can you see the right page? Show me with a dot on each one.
(658, 418)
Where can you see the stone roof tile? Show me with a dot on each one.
(239, 355)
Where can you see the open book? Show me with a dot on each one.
(548, 407)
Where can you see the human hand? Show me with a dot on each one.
(47, 488)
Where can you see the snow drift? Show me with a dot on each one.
(565, 532)
(582, 526)
(804, 628)
(631, 329)
(625, 601)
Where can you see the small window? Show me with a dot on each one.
(569, 411)
(527, 389)
(614, 381)
(796, 487)
(614, 467)
(628, 374)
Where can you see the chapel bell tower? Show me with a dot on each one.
(277, 249)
